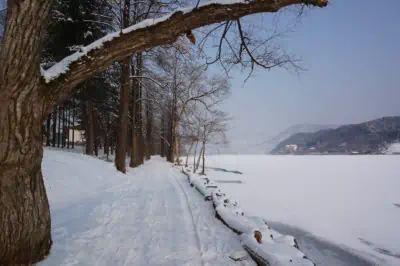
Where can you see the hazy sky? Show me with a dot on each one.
(351, 51)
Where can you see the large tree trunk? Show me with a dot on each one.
(48, 128)
(106, 136)
(96, 141)
(24, 209)
(141, 139)
(162, 136)
(54, 126)
(194, 157)
(73, 122)
(203, 172)
(63, 127)
(174, 140)
(68, 123)
(188, 153)
(59, 126)
(134, 160)
(199, 158)
(25, 223)
(149, 131)
(89, 128)
(120, 154)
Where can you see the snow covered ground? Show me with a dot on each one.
(336, 205)
(150, 216)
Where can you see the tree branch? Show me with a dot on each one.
(59, 81)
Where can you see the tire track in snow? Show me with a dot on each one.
(179, 185)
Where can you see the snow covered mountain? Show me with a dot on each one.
(294, 129)
(367, 137)
(256, 144)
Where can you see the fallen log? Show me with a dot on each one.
(266, 246)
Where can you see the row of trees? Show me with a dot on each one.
(119, 84)
(143, 105)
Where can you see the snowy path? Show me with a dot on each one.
(151, 216)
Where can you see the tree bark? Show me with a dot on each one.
(174, 141)
(54, 125)
(203, 172)
(140, 111)
(68, 124)
(59, 126)
(134, 160)
(106, 136)
(162, 136)
(188, 153)
(25, 223)
(149, 131)
(194, 157)
(89, 128)
(120, 155)
(95, 134)
(199, 158)
(73, 122)
(63, 127)
(48, 129)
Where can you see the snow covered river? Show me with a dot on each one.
(343, 209)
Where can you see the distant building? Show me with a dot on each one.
(291, 148)
(76, 135)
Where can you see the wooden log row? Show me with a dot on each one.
(229, 213)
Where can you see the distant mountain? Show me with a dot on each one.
(368, 137)
(256, 144)
(292, 130)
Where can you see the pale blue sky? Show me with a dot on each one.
(351, 50)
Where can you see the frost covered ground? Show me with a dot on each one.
(343, 210)
(150, 216)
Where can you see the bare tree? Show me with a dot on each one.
(185, 82)
(213, 126)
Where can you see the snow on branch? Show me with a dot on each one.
(60, 79)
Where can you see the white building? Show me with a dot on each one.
(76, 135)
(291, 147)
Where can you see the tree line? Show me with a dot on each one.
(140, 106)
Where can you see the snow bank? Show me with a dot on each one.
(273, 249)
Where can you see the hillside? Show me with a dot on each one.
(364, 138)
(292, 130)
(261, 142)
